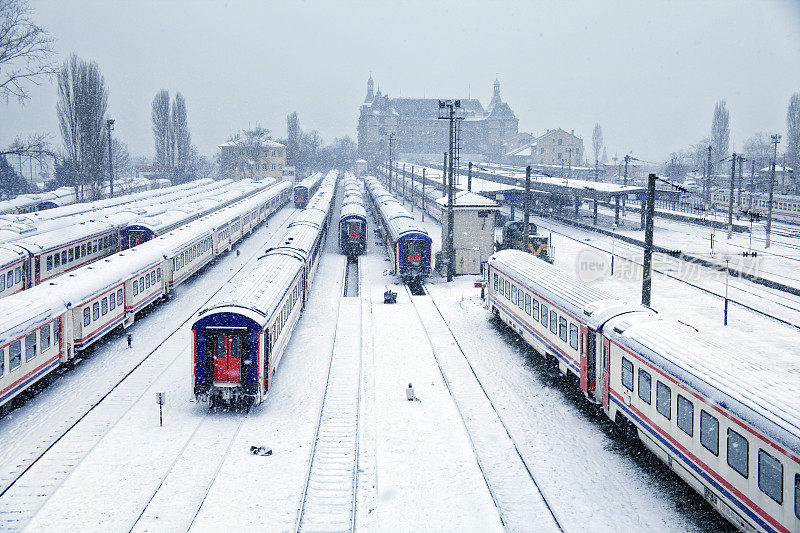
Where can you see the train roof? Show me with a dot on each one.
(353, 209)
(63, 236)
(258, 294)
(397, 219)
(584, 302)
(310, 182)
(744, 383)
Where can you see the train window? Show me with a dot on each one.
(44, 337)
(153, 277)
(70, 255)
(119, 297)
(738, 450)
(554, 322)
(147, 281)
(158, 274)
(17, 275)
(709, 432)
(87, 316)
(135, 287)
(513, 294)
(77, 253)
(112, 301)
(57, 332)
(562, 328)
(57, 260)
(49, 263)
(64, 257)
(645, 386)
(528, 304)
(14, 355)
(627, 374)
(10, 278)
(94, 246)
(544, 315)
(141, 284)
(796, 489)
(664, 400)
(83, 250)
(30, 346)
(495, 282)
(95, 311)
(685, 415)
(535, 309)
(770, 476)
(2, 362)
(104, 306)
(573, 336)
(2, 282)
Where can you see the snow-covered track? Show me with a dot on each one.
(181, 492)
(25, 491)
(329, 493)
(519, 498)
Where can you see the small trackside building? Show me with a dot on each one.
(473, 230)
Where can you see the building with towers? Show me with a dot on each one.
(486, 133)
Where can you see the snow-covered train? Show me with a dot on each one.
(45, 326)
(306, 189)
(238, 341)
(784, 206)
(408, 243)
(353, 218)
(26, 203)
(74, 241)
(727, 423)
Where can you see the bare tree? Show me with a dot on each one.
(26, 50)
(720, 131)
(82, 104)
(162, 131)
(182, 138)
(123, 167)
(793, 133)
(758, 148)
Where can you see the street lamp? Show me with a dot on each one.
(613, 234)
(110, 126)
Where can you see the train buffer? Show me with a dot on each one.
(389, 297)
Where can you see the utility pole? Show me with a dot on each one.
(526, 209)
(648, 240)
(469, 177)
(423, 194)
(739, 193)
(752, 182)
(730, 200)
(391, 146)
(412, 188)
(447, 111)
(404, 183)
(444, 175)
(709, 167)
(625, 183)
(774, 139)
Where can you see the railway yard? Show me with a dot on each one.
(493, 437)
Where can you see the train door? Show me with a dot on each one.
(414, 251)
(227, 348)
(135, 238)
(606, 370)
(588, 359)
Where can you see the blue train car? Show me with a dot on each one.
(353, 219)
(306, 189)
(408, 243)
(239, 341)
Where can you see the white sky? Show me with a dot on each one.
(649, 72)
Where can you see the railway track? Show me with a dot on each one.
(44, 471)
(328, 501)
(518, 497)
(181, 492)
